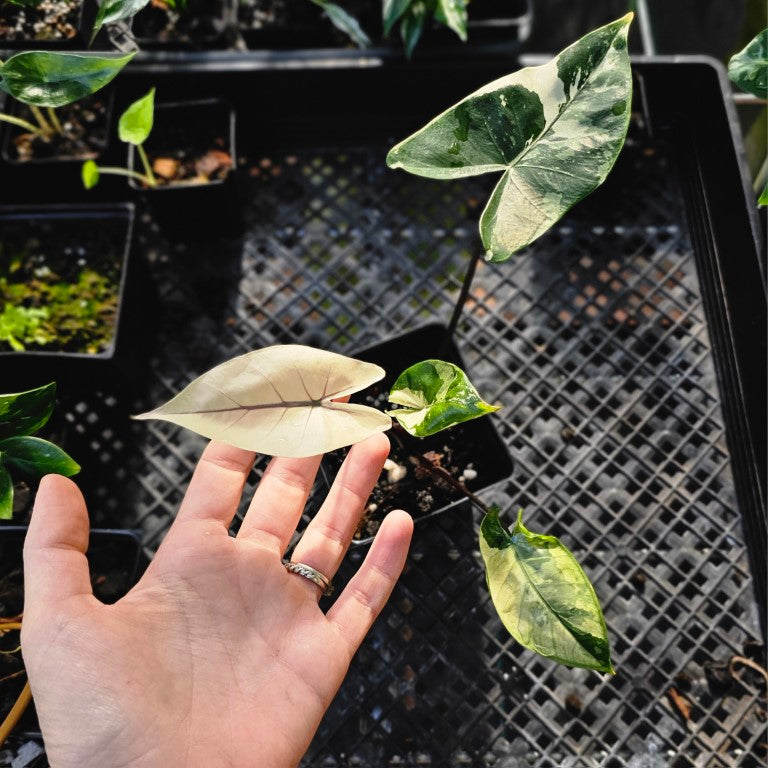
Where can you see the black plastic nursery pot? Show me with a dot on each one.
(114, 559)
(47, 25)
(63, 284)
(202, 24)
(473, 448)
(195, 140)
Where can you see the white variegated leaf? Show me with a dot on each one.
(280, 401)
(554, 130)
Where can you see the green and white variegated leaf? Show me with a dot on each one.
(453, 13)
(23, 413)
(543, 596)
(749, 68)
(36, 457)
(112, 11)
(50, 79)
(345, 22)
(435, 395)
(555, 131)
(6, 493)
(391, 11)
(280, 401)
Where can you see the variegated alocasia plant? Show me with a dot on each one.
(554, 131)
(288, 401)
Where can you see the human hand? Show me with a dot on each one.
(218, 656)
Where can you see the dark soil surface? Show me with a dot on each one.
(85, 127)
(50, 20)
(202, 21)
(59, 283)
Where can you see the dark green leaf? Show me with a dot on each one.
(412, 25)
(435, 395)
(6, 493)
(344, 22)
(23, 413)
(392, 10)
(37, 457)
(90, 174)
(555, 130)
(453, 13)
(136, 122)
(112, 11)
(50, 79)
(749, 68)
(543, 596)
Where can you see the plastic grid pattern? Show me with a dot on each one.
(595, 342)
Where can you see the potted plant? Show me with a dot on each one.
(44, 24)
(51, 114)
(190, 151)
(63, 278)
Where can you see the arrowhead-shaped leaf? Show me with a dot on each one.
(555, 130)
(50, 79)
(749, 68)
(391, 11)
(543, 596)
(23, 413)
(453, 13)
(112, 11)
(344, 22)
(37, 457)
(435, 395)
(281, 401)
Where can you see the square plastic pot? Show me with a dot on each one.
(205, 24)
(68, 228)
(180, 128)
(487, 451)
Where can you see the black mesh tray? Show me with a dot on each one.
(626, 346)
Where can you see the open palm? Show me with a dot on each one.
(218, 656)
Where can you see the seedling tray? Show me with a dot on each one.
(627, 350)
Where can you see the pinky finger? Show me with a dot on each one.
(366, 594)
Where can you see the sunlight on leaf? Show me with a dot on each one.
(555, 131)
(543, 596)
(136, 122)
(279, 401)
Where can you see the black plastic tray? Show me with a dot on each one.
(627, 347)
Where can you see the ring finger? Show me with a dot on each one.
(328, 535)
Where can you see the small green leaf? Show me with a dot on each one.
(392, 10)
(136, 122)
(749, 68)
(412, 25)
(344, 22)
(112, 11)
(453, 13)
(435, 395)
(90, 174)
(543, 596)
(37, 457)
(23, 413)
(50, 79)
(554, 130)
(763, 199)
(6, 493)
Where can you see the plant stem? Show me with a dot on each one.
(147, 166)
(17, 710)
(115, 171)
(42, 122)
(438, 472)
(54, 118)
(21, 123)
(462, 300)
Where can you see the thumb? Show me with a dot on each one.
(55, 566)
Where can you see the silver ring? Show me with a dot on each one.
(308, 572)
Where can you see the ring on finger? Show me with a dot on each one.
(308, 572)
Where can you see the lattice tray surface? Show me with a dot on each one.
(595, 342)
